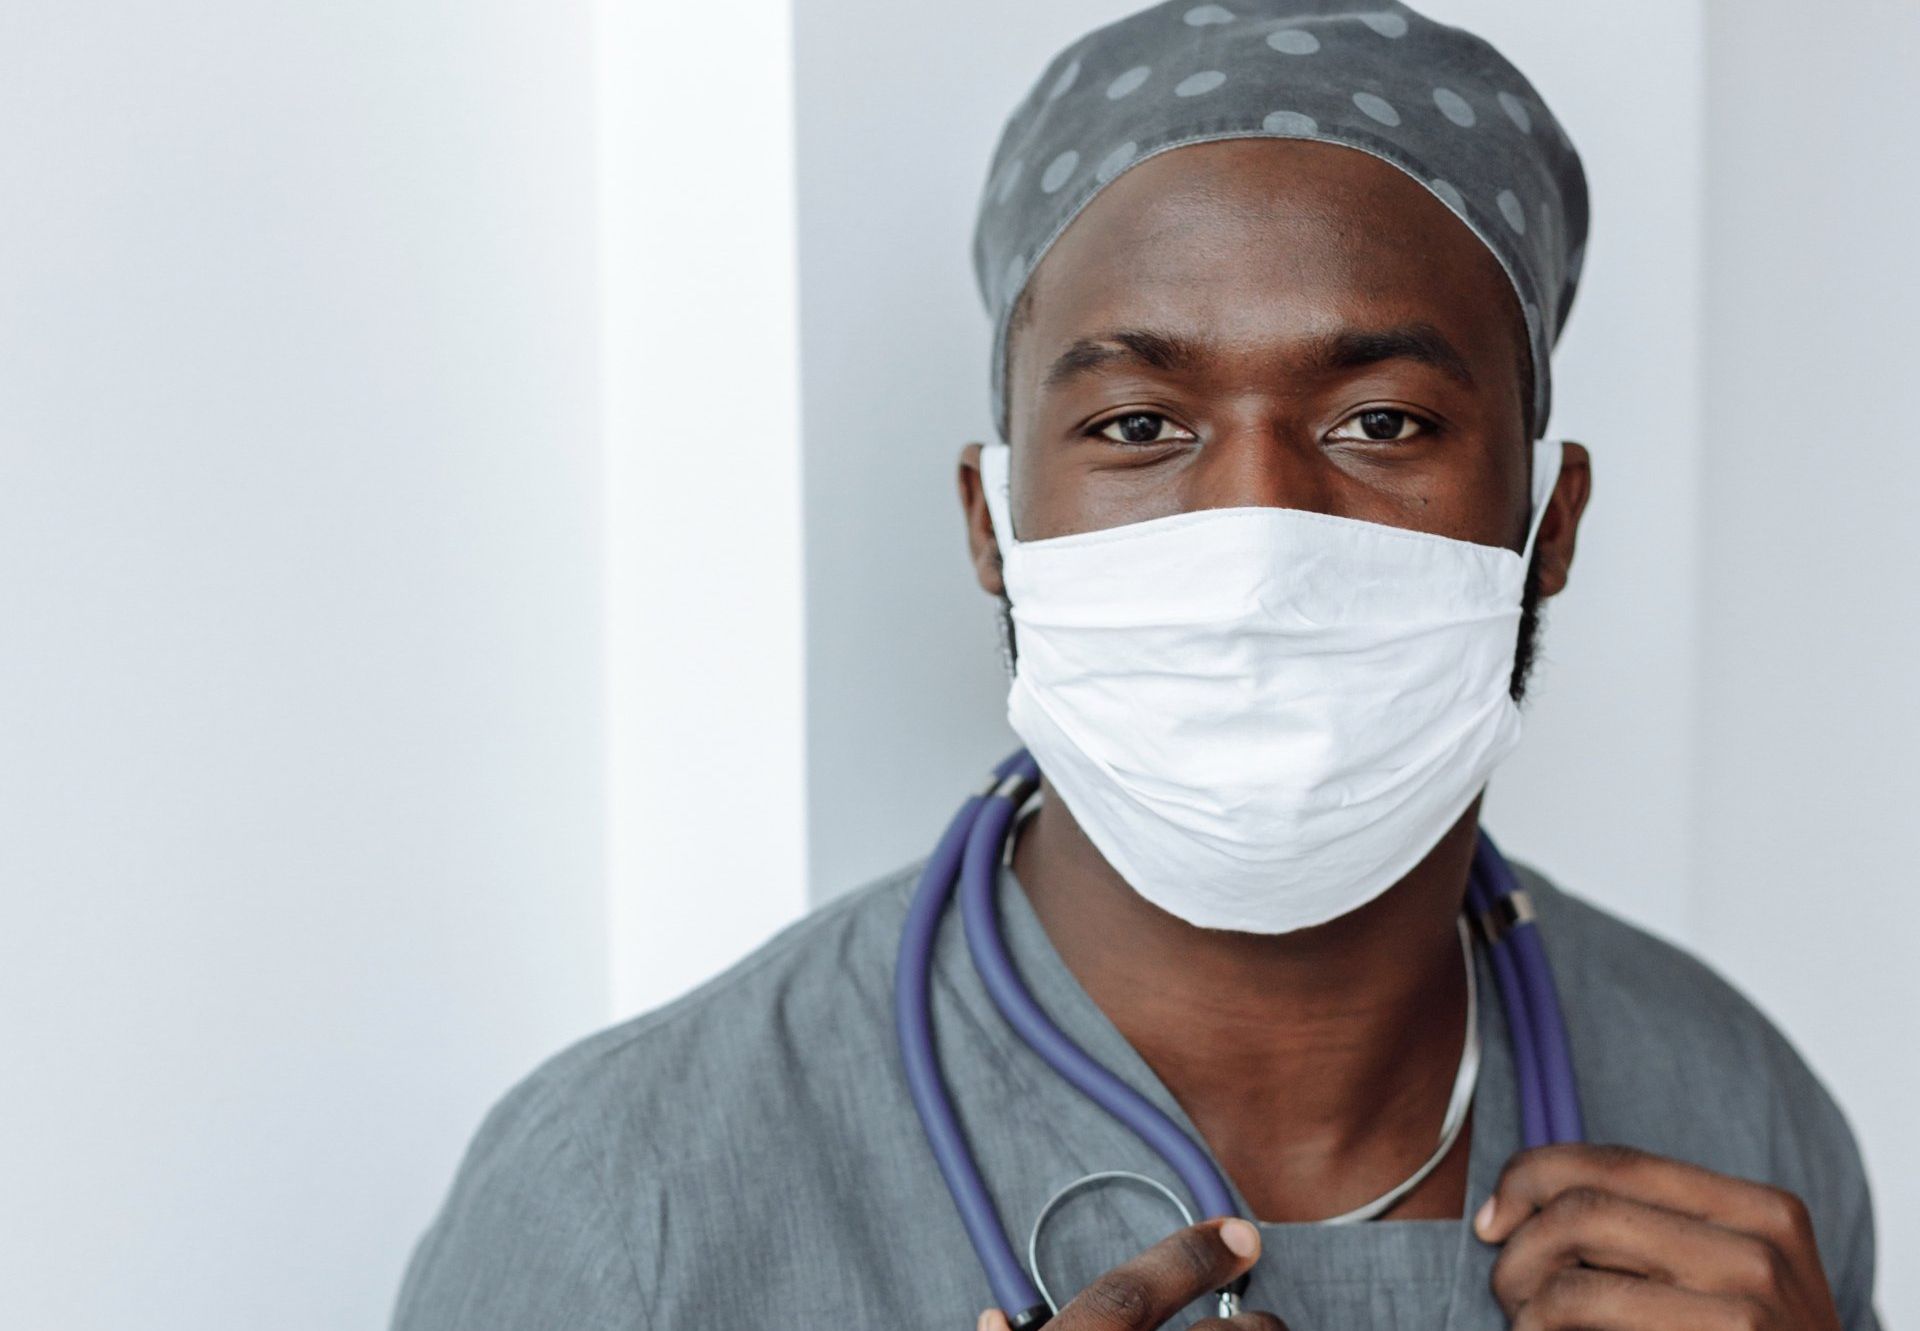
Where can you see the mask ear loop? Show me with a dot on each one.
(1548, 454)
(995, 486)
(995, 482)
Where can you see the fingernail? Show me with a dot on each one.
(1242, 1239)
(1483, 1222)
(980, 1324)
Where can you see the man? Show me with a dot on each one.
(1267, 277)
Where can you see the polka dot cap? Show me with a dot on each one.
(1434, 100)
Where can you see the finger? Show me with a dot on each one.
(1533, 1178)
(992, 1320)
(1608, 1301)
(1143, 1292)
(1587, 1227)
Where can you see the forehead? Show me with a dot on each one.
(1250, 242)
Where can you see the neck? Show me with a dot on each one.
(1317, 1064)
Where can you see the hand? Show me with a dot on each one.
(1607, 1237)
(1141, 1294)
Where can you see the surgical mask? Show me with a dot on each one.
(1263, 717)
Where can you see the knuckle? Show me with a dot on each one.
(1509, 1284)
(1519, 1165)
(1615, 1160)
(1567, 1294)
(1758, 1266)
(1745, 1314)
(1530, 1317)
(1575, 1205)
(1121, 1300)
(1538, 1312)
(1787, 1213)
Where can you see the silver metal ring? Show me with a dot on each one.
(1033, 1238)
(1505, 915)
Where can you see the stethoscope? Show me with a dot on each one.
(969, 854)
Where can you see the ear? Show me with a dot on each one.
(1561, 522)
(981, 547)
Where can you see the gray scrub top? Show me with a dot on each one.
(748, 1155)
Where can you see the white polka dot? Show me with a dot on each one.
(1128, 81)
(1293, 41)
(1065, 81)
(1516, 112)
(1115, 162)
(1450, 195)
(1195, 84)
(1511, 210)
(1453, 106)
(1289, 122)
(1058, 170)
(1376, 108)
(1201, 15)
(1387, 25)
(1006, 181)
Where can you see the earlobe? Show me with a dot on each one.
(982, 548)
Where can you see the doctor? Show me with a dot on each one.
(1304, 262)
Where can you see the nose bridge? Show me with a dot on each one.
(1255, 463)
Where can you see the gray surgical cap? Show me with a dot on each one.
(1435, 101)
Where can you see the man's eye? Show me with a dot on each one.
(1380, 424)
(1136, 427)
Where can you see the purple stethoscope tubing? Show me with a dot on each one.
(968, 857)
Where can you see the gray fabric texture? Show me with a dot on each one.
(748, 1156)
(1433, 100)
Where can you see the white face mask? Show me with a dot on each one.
(1263, 717)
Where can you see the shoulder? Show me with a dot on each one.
(1673, 1058)
(820, 989)
(1647, 1015)
(558, 1207)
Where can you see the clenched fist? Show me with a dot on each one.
(1606, 1237)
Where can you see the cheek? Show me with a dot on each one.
(1455, 491)
(1075, 491)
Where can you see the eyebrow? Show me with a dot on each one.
(1172, 353)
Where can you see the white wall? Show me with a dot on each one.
(1808, 714)
(706, 669)
(300, 723)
